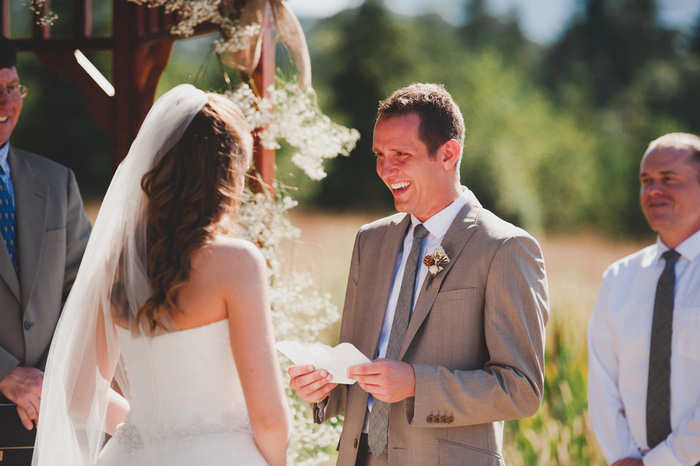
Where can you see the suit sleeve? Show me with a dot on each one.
(7, 362)
(510, 383)
(77, 233)
(335, 403)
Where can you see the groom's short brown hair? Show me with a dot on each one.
(440, 118)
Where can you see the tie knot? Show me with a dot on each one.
(670, 256)
(420, 232)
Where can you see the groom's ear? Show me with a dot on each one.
(448, 153)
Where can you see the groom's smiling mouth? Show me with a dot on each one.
(400, 187)
(3, 119)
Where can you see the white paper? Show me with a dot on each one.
(335, 360)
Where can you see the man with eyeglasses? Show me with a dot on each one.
(44, 232)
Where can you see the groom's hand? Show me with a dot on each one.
(313, 386)
(386, 379)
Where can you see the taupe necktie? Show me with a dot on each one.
(379, 417)
(659, 383)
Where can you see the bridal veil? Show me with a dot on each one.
(84, 354)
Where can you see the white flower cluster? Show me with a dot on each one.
(192, 13)
(42, 18)
(300, 312)
(292, 114)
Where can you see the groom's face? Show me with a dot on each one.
(10, 107)
(417, 181)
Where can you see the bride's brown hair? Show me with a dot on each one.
(189, 190)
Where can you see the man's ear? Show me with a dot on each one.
(448, 153)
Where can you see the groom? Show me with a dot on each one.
(458, 347)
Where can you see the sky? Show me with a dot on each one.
(541, 20)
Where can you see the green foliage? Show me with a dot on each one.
(560, 432)
(554, 135)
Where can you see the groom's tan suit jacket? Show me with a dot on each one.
(475, 340)
(51, 232)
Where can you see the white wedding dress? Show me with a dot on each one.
(187, 405)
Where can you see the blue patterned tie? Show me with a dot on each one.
(7, 222)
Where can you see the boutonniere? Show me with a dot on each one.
(434, 263)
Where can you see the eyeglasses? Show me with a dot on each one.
(16, 92)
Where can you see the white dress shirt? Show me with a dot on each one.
(437, 227)
(619, 335)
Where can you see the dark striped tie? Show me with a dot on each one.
(659, 383)
(379, 417)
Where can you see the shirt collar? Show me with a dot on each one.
(4, 164)
(690, 248)
(438, 224)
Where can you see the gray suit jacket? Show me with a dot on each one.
(51, 231)
(475, 340)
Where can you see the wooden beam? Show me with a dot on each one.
(137, 68)
(39, 31)
(264, 76)
(5, 17)
(82, 22)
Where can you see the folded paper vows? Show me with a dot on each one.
(335, 360)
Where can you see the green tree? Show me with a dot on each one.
(359, 57)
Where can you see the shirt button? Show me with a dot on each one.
(27, 324)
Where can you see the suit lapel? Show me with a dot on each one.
(30, 212)
(373, 320)
(456, 238)
(7, 271)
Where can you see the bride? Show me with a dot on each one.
(166, 311)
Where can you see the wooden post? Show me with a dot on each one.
(136, 70)
(264, 76)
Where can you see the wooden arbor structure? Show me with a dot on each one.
(140, 45)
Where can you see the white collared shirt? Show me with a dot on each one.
(619, 336)
(437, 227)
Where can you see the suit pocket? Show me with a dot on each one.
(463, 294)
(457, 454)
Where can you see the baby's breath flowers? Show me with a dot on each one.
(292, 114)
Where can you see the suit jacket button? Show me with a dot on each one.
(450, 420)
(443, 420)
(27, 324)
(355, 443)
(429, 419)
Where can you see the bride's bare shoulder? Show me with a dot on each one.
(231, 257)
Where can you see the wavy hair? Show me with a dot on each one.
(189, 191)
